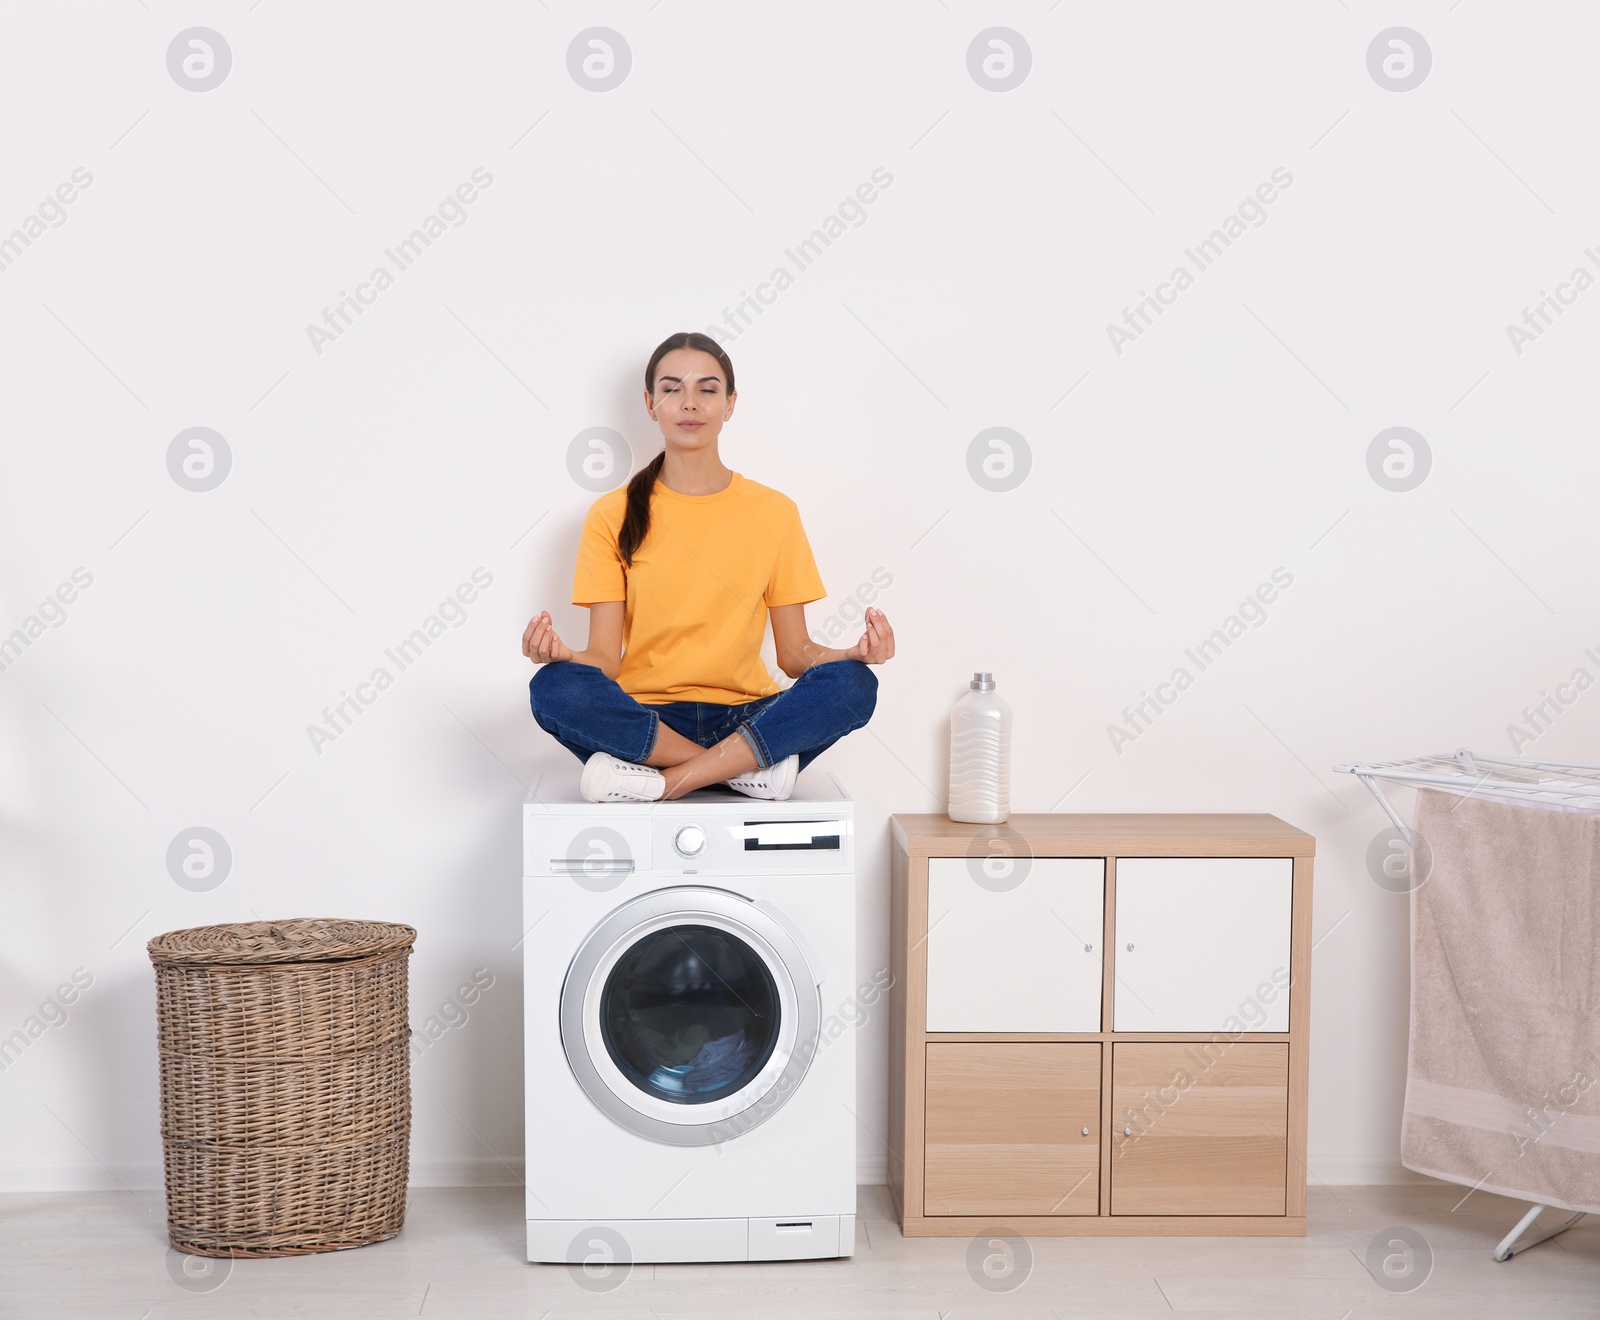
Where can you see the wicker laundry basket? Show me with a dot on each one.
(285, 1084)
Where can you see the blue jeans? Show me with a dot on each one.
(586, 712)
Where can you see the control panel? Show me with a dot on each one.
(719, 842)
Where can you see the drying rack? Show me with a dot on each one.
(1570, 784)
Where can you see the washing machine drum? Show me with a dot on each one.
(690, 1015)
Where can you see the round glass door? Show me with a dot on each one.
(689, 1015)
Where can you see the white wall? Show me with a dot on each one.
(371, 478)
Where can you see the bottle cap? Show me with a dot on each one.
(982, 682)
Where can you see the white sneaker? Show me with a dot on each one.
(608, 778)
(775, 783)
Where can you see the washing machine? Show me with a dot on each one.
(688, 965)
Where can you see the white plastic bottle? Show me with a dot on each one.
(980, 755)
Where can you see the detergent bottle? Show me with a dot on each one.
(980, 754)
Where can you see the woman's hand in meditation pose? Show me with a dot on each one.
(798, 653)
(540, 643)
(877, 643)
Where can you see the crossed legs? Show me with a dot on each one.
(686, 765)
(587, 712)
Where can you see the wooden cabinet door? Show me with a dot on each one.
(1015, 953)
(1012, 1129)
(1199, 1128)
(1202, 944)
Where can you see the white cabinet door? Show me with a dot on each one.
(1008, 955)
(1202, 944)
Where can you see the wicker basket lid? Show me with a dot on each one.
(297, 940)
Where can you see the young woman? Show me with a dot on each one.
(680, 571)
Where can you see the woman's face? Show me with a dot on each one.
(691, 401)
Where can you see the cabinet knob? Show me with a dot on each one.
(1127, 1131)
(1130, 948)
(1088, 948)
(1086, 1132)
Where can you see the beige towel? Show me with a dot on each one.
(1503, 1080)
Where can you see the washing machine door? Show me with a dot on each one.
(690, 1015)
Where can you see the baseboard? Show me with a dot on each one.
(474, 1171)
(872, 1169)
(138, 1177)
(1360, 1171)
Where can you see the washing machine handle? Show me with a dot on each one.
(796, 934)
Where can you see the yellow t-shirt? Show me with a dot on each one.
(698, 592)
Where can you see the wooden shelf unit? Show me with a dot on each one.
(998, 1119)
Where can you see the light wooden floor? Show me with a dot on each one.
(104, 1255)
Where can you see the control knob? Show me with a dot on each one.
(690, 841)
